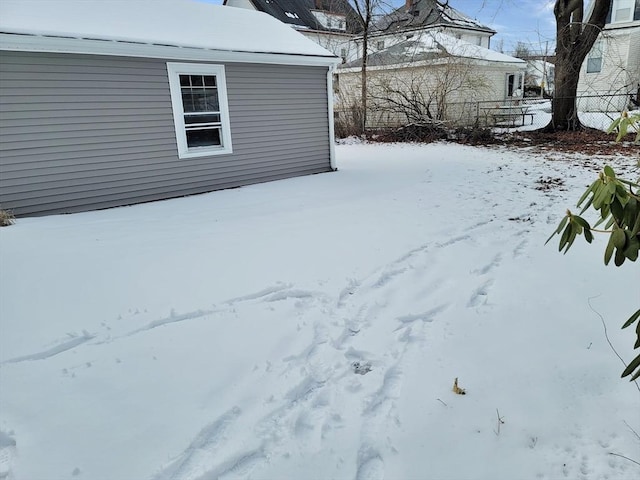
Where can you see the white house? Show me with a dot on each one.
(613, 65)
(431, 76)
(419, 16)
(540, 76)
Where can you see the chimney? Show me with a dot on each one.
(407, 5)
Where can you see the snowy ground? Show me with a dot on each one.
(541, 111)
(313, 327)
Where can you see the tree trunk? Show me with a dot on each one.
(574, 40)
(564, 106)
(363, 77)
(364, 11)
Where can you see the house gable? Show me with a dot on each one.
(420, 14)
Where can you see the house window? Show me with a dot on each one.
(380, 44)
(200, 109)
(623, 11)
(514, 83)
(594, 60)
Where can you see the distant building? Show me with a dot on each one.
(330, 23)
(431, 76)
(418, 16)
(539, 78)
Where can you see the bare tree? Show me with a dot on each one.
(429, 92)
(365, 10)
(522, 51)
(574, 40)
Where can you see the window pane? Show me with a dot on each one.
(203, 138)
(184, 81)
(200, 100)
(622, 10)
(196, 80)
(210, 81)
(211, 98)
(594, 65)
(191, 119)
(594, 60)
(187, 102)
(623, 15)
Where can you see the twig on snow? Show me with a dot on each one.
(626, 458)
(500, 422)
(606, 335)
(630, 428)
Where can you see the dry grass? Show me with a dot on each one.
(6, 218)
(587, 141)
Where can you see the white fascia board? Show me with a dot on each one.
(37, 43)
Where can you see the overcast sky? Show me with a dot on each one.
(527, 21)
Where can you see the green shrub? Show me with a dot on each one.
(617, 200)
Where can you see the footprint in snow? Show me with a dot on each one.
(7, 455)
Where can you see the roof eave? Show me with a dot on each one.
(15, 41)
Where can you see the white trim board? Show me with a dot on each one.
(38, 43)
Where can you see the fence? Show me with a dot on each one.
(595, 111)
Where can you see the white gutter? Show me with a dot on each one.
(38, 43)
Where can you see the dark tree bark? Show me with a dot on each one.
(574, 39)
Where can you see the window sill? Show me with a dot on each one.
(205, 153)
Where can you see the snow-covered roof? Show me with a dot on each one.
(460, 48)
(428, 14)
(299, 13)
(432, 45)
(175, 23)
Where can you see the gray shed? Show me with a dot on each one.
(105, 104)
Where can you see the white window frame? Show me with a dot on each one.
(174, 71)
(593, 57)
(615, 8)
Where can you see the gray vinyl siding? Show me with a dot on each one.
(82, 132)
